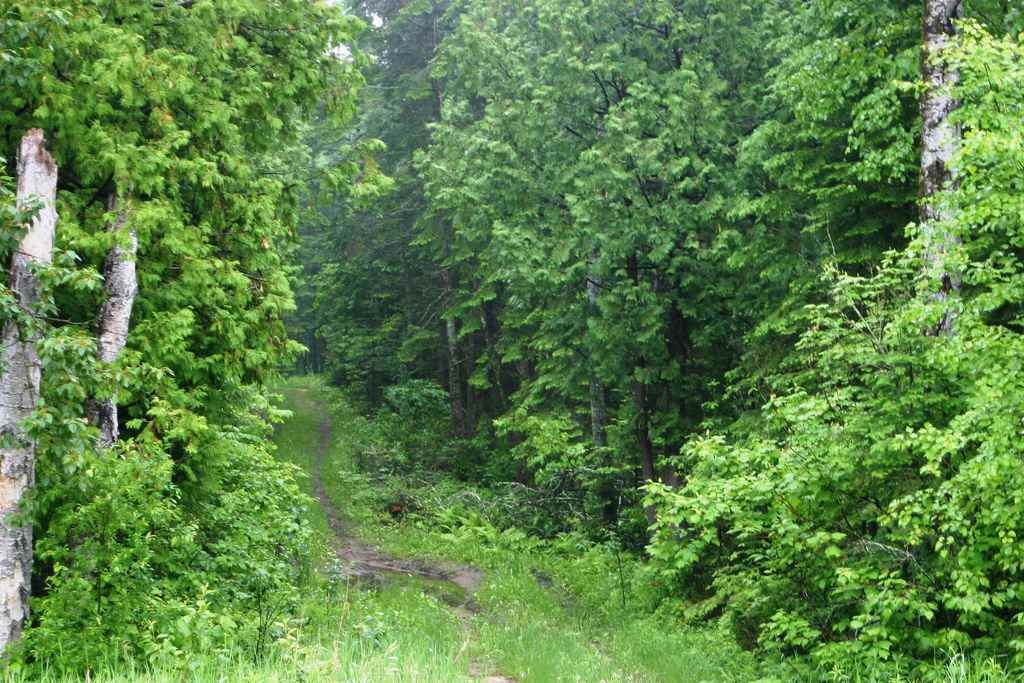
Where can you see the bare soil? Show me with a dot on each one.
(365, 562)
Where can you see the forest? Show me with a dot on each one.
(512, 340)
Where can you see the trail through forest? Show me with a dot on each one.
(366, 563)
(439, 593)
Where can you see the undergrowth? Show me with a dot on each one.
(563, 609)
(549, 610)
(556, 609)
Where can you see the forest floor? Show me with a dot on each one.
(425, 599)
(439, 595)
(368, 564)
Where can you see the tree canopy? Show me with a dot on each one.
(733, 286)
(682, 262)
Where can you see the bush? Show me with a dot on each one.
(137, 566)
(414, 426)
(876, 512)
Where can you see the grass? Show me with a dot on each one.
(398, 633)
(298, 439)
(570, 630)
(548, 612)
(578, 628)
(347, 634)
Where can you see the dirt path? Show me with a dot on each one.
(365, 562)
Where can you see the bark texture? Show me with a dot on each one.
(455, 378)
(453, 361)
(643, 437)
(940, 138)
(598, 402)
(598, 413)
(121, 286)
(607, 490)
(19, 385)
(642, 408)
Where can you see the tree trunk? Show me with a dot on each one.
(492, 333)
(598, 402)
(598, 413)
(640, 405)
(19, 386)
(940, 138)
(606, 491)
(121, 287)
(455, 378)
(454, 364)
(643, 437)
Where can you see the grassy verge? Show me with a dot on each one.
(557, 611)
(397, 634)
(548, 611)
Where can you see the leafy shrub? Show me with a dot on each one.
(413, 424)
(139, 566)
(875, 514)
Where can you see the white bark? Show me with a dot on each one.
(121, 286)
(940, 139)
(19, 386)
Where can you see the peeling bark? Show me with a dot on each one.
(121, 286)
(19, 386)
(940, 138)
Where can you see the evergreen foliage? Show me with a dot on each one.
(691, 280)
(190, 112)
(672, 241)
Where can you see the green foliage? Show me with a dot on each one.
(557, 609)
(664, 247)
(414, 420)
(140, 568)
(190, 114)
(585, 146)
(372, 296)
(880, 486)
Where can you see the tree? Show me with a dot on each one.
(589, 149)
(175, 126)
(20, 381)
(121, 287)
(939, 139)
(876, 480)
(377, 292)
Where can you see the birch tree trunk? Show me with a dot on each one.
(19, 386)
(115, 315)
(940, 138)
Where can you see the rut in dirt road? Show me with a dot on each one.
(365, 562)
